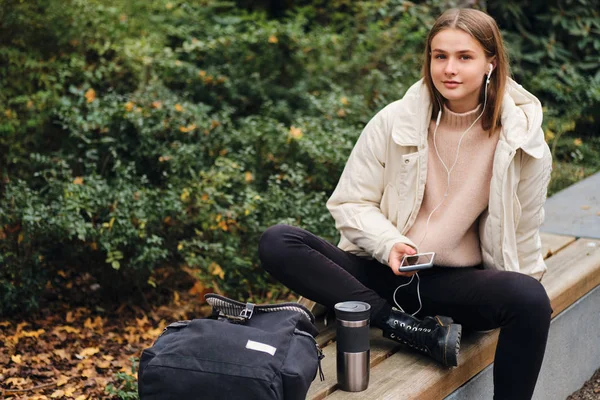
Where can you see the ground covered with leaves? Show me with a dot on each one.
(83, 346)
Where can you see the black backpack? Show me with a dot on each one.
(243, 351)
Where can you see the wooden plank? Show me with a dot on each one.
(411, 375)
(381, 348)
(573, 272)
(552, 244)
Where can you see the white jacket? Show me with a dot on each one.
(381, 188)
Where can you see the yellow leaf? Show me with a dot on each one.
(129, 106)
(62, 380)
(273, 39)
(249, 177)
(577, 142)
(344, 100)
(66, 328)
(341, 113)
(202, 74)
(198, 288)
(89, 373)
(35, 334)
(295, 133)
(176, 297)
(69, 391)
(20, 238)
(58, 394)
(81, 397)
(15, 382)
(90, 95)
(16, 359)
(78, 181)
(103, 364)
(185, 195)
(157, 105)
(89, 351)
(178, 107)
(61, 353)
(217, 270)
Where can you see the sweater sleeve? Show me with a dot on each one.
(355, 201)
(531, 192)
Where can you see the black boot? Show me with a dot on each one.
(435, 336)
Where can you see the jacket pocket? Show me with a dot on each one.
(408, 174)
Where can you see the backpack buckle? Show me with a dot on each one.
(248, 311)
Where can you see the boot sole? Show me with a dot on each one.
(452, 347)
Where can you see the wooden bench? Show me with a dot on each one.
(399, 373)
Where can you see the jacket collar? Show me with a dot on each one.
(521, 119)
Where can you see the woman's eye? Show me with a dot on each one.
(440, 57)
(465, 57)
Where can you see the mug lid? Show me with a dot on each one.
(352, 311)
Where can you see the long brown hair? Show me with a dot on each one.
(484, 29)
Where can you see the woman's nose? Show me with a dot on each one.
(450, 68)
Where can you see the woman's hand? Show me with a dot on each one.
(398, 251)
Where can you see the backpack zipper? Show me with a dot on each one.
(320, 354)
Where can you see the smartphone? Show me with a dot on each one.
(416, 262)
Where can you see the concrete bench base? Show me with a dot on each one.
(572, 355)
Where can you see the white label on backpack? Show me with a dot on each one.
(265, 348)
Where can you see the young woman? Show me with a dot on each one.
(458, 167)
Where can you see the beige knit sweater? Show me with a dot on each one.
(453, 228)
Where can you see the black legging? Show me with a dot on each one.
(479, 299)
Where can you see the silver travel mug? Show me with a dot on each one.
(353, 350)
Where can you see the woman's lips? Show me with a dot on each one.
(451, 84)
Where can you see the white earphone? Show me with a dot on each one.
(489, 74)
(448, 172)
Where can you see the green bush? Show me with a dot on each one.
(137, 134)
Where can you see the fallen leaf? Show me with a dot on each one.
(69, 318)
(69, 391)
(103, 364)
(62, 380)
(89, 373)
(61, 353)
(88, 351)
(35, 334)
(16, 382)
(58, 394)
(16, 359)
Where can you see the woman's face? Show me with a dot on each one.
(458, 68)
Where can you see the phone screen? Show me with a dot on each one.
(418, 260)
